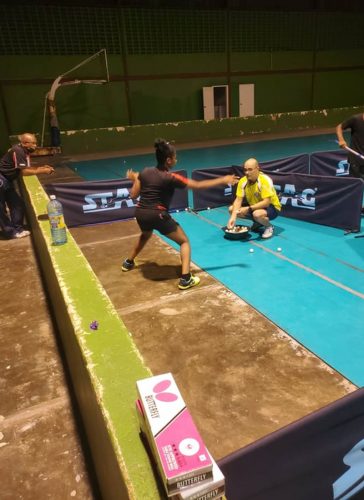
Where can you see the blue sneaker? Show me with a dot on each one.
(127, 265)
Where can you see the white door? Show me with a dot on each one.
(208, 103)
(246, 99)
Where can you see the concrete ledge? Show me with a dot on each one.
(104, 364)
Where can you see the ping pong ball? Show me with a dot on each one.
(279, 249)
(251, 250)
(208, 208)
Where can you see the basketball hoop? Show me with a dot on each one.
(50, 105)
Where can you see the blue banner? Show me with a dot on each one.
(220, 196)
(217, 196)
(332, 163)
(320, 457)
(331, 201)
(298, 164)
(103, 201)
(293, 164)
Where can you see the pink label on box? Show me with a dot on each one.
(181, 448)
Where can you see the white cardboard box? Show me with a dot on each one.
(180, 452)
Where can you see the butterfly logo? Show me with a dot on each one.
(162, 394)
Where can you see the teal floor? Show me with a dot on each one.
(313, 289)
(218, 156)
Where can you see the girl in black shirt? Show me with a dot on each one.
(155, 186)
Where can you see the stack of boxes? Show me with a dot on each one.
(187, 470)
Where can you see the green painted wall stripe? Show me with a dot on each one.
(121, 138)
(104, 364)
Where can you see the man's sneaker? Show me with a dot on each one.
(255, 227)
(127, 265)
(268, 232)
(22, 234)
(185, 284)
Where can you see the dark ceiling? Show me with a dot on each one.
(277, 5)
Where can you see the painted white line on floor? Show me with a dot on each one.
(36, 411)
(122, 311)
(112, 240)
(293, 262)
(309, 270)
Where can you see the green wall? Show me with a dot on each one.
(159, 60)
(104, 140)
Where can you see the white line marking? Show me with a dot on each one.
(294, 262)
(122, 311)
(97, 242)
(309, 270)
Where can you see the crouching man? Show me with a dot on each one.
(256, 199)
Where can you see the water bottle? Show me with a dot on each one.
(56, 220)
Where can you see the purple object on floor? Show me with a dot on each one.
(94, 325)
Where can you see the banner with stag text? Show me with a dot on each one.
(333, 163)
(221, 196)
(103, 201)
(331, 201)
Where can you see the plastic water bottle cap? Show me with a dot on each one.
(52, 197)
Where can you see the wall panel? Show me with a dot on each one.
(161, 101)
(159, 60)
(344, 87)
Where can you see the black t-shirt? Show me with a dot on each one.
(14, 160)
(157, 187)
(356, 125)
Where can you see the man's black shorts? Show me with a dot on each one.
(149, 219)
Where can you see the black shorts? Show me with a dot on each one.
(149, 219)
(271, 210)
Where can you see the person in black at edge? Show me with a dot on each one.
(15, 162)
(356, 125)
(156, 186)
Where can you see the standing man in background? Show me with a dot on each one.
(356, 125)
(14, 163)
